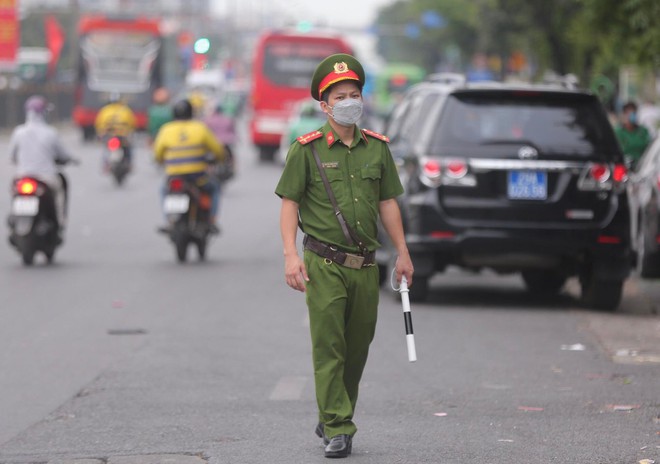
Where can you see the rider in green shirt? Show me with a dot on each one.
(632, 137)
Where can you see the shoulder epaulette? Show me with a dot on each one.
(305, 139)
(376, 135)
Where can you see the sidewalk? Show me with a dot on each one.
(630, 335)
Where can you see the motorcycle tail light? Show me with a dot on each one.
(205, 202)
(26, 186)
(176, 185)
(114, 143)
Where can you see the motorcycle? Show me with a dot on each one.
(116, 157)
(188, 211)
(33, 220)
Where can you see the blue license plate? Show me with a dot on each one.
(527, 185)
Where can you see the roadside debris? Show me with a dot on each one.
(623, 407)
(529, 408)
(574, 347)
(647, 461)
(440, 414)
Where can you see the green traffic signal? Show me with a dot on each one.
(202, 45)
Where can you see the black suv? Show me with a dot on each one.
(516, 178)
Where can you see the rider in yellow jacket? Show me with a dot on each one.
(184, 146)
(116, 119)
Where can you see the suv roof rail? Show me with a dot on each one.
(448, 78)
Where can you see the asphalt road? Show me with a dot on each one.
(118, 354)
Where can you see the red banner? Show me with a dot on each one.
(54, 42)
(9, 33)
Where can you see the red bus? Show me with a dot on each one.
(116, 55)
(281, 75)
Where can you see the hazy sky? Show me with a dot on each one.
(335, 13)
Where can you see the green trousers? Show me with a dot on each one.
(343, 309)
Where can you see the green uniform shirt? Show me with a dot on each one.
(633, 143)
(360, 176)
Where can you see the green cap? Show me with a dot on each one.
(333, 69)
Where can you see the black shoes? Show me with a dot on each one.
(319, 433)
(339, 446)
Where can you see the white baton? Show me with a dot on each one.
(410, 337)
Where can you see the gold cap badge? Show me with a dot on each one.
(341, 68)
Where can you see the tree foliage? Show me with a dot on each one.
(584, 37)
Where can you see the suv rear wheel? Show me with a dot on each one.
(602, 294)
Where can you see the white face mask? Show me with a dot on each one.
(347, 112)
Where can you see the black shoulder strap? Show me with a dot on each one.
(349, 233)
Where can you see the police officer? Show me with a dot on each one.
(337, 272)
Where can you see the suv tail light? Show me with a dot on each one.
(431, 172)
(176, 185)
(457, 169)
(26, 186)
(603, 177)
(455, 172)
(620, 173)
(600, 173)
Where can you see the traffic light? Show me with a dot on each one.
(201, 49)
(202, 45)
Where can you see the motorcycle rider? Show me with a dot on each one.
(158, 113)
(224, 129)
(36, 150)
(183, 146)
(116, 119)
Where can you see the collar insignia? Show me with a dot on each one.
(330, 138)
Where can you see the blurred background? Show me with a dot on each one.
(57, 47)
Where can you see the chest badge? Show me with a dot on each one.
(331, 164)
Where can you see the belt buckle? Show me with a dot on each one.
(354, 261)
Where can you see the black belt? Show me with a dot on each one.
(351, 260)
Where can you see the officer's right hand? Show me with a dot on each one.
(295, 273)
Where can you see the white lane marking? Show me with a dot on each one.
(288, 389)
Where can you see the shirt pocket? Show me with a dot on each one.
(335, 179)
(370, 182)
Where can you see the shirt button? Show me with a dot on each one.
(352, 176)
(356, 200)
(358, 223)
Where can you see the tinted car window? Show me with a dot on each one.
(553, 123)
